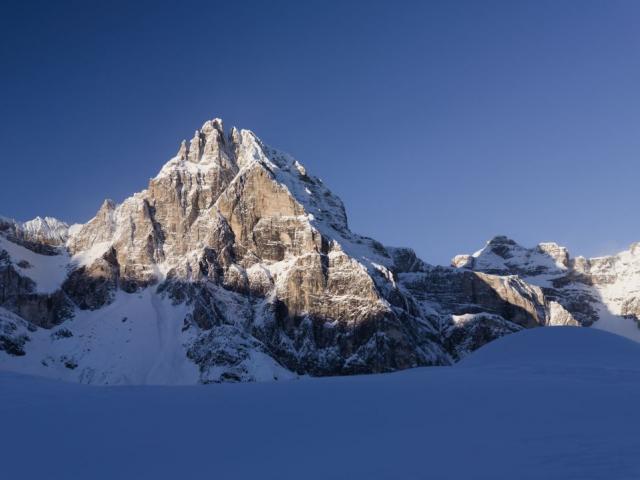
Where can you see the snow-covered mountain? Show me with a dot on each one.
(602, 291)
(236, 264)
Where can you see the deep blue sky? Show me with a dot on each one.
(440, 124)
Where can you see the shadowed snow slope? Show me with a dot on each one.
(558, 346)
(520, 422)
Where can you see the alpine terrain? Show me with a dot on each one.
(236, 264)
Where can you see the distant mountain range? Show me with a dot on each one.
(236, 264)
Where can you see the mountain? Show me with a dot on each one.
(602, 291)
(236, 264)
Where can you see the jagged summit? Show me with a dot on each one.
(236, 264)
(602, 291)
(501, 240)
(41, 233)
(504, 256)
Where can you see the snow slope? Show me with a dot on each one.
(138, 339)
(135, 340)
(47, 271)
(613, 323)
(557, 347)
(478, 420)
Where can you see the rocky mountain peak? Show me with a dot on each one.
(504, 256)
(463, 261)
(235, 263)
(108, 205)
(500, 240)
(41, 234)
(47, 229)
(183, 151)
(601, 291)
(558, 253)
(208, 145)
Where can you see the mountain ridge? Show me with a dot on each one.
(235, 264)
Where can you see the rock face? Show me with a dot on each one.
(235, 264)
(42, 235)
(605, 290)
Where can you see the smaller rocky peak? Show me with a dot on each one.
(40, 222)
(634, 248)
(209, 145)
(234, 136)
(502, 255)
(106, 211)
(47, 230)
(249, 150)
(558, 253)
(234, 139)
(107, 205)
(183, 151)
(194, 152)
(463, 261)
(211, 126)
(405, 260)
(501, 240)
(41, 235)
(549, 246)
(300, 168)
(580, 264)
(209, 149)
(502, 246)
(82, 236)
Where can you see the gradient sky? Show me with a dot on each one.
(440, 124)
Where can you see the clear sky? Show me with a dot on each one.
(440, 124)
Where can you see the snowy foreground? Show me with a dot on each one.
(548, 403)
